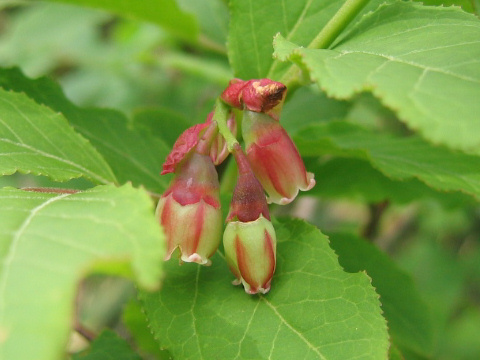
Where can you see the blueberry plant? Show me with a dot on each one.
(136, 135)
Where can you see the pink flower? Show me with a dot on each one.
(249, 238)
(189, 211)
(274, 158)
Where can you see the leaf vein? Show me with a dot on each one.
(6, 266)
(42, 134)
(246, 330)
(55, 157)
(192, 310)
(411, 63)
(295, 331)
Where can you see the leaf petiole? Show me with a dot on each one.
(342, 18)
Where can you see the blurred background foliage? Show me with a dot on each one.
(102, 60)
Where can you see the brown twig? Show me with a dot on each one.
(86, 333)
(51, 190)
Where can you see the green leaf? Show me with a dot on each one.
(212, 16)
(50, 241)
(133, 155)
(254, 23)
(34, 139)
(461, 340)
(161, 122)
(308, 105)
(136, 322)
(28, 31)
(314, 310)
(396, 157)
(467, 5)
(423, 62)
(100, 60)
(356, 179)
(108, 346)
(165, 13)
(408, 317)
(394, 353)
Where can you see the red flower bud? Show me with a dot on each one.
(274, 158)
(259, 95)
(249, 238)
(189, 210)
(232, 95)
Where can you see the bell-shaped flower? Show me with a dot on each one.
(189, 210)
(249, 238)
(274, 158)
(219, 150)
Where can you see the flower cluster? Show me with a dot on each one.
(189, 210)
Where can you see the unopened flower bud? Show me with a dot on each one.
(259, 95)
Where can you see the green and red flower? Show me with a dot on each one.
(189, 210)
(274, 158)
(249, 238)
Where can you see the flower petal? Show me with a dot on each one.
(184, 144)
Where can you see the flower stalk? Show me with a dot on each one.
(249, 238)
(221, 116)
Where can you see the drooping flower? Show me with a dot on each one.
(249, 238)
(274, 158)
(189, 210)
